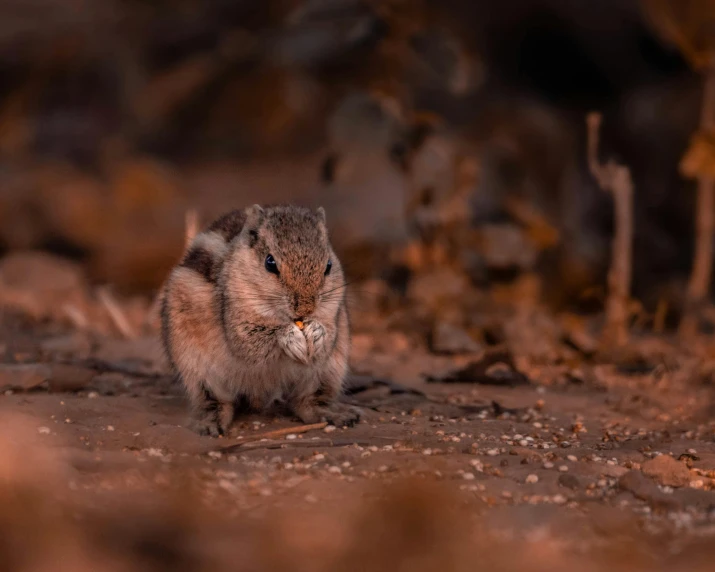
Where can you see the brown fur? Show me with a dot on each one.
(229, 324)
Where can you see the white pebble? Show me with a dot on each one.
(43, 430)
(292, 436)
(548, 465)
(564, 468)
(329, 429)
(477, 464)
(335, 470)
(493, 452)
(572, 458)
(468, 476)
(532, 479)
(110, 427)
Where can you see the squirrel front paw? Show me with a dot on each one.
(315, 336)
(294, 344)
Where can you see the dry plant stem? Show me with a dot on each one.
(701, 275)
(615, 179)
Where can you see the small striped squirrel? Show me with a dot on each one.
(254, 315)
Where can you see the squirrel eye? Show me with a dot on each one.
(329, 267)
(271, 265)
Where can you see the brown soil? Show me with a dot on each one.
(534, 470)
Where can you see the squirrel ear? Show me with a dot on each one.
(254, 214)
(321, 214)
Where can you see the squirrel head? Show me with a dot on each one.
(287, 270)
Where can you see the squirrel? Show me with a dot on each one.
(255, 314)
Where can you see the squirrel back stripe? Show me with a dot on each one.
(229, 225)
(200, 260)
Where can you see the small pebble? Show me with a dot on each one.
(548, 465)
(335, 470)
(292, 436)
(110, 427)
(493, 452)
(215, 454)
(532, 479)
(563, 468)
(468, 476)
(329, 428)
(477, 464)
(43, 430)
(572, 458)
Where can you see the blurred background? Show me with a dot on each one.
(457, 124)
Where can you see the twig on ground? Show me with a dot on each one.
(252, 445)
(615, 179)
(282, 432)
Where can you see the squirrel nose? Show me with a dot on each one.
(304, 306)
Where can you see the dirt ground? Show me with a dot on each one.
(533, 464)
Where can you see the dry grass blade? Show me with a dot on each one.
(116, 314)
